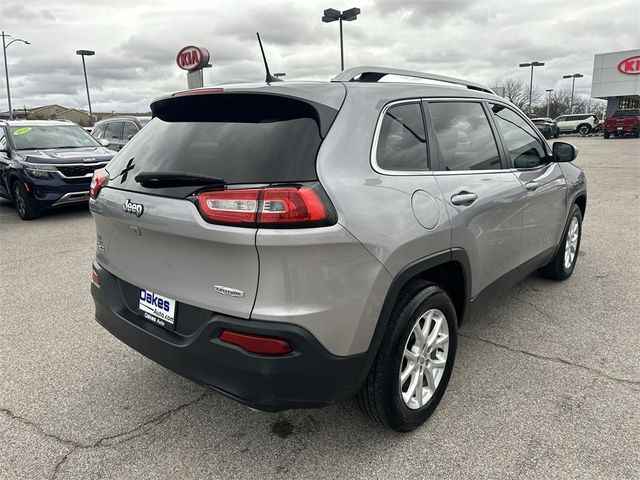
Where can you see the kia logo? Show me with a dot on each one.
(630, 66)
(192, 58)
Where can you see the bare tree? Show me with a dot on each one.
(559, 103)
(517, 92)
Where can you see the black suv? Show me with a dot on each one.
(115, 132)
(47, 163)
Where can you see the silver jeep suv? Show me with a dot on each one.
(295, 244)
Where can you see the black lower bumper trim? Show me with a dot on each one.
(310, 376)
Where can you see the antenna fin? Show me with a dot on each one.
(269, 78)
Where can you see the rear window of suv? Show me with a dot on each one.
(627, 113)
(239, 138)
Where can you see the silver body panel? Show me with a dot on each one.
(333, 280)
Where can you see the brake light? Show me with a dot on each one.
(97, 182)
(256, 343)
(202, 91)
(282, 206)
(291, 205)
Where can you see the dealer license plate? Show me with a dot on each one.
(158, 309)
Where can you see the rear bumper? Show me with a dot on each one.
(309, 376)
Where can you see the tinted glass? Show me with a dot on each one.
(627, 113)
(464, 136)
(3, 139)
(130, 130)
(561, 119)
(114, 131)
(521, 141)
(402, 144)
(262, 139)
(97, 131)
(51, 136)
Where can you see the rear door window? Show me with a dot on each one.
(402, 140)
(464, 135)
(521, 141)
(130, 130)
(114, 131)
(241, 139)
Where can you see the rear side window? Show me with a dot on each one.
(464, 136)
(238, 138)
(114, 131)
(521, 141)
(402, 144)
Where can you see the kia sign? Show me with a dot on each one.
(192, 58)
(630, 66)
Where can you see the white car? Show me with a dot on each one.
(583, 123)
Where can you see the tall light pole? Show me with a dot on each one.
(331, 15)
(548, 90)
(87, 53)
(573, 86)
(6, 68)
(531, 64)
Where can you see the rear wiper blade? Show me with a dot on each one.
(175, 179)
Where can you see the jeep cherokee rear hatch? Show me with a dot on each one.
(178, 208)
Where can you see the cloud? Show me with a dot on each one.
(136, 42)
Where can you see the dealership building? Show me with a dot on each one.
(616, 79)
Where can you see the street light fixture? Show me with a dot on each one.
(87, 53)
(331, 15)
(573, 86)
(6, 68)
(531, 64)
(548, 90)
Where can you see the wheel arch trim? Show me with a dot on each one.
(401, 280)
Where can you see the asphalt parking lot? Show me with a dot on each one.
(546, 383)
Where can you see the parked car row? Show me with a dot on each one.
(47, 163)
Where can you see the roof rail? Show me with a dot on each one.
(373, 74)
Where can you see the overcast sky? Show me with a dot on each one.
(136, 42)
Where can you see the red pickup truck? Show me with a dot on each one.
(623, 122)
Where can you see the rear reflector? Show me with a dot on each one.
(284, 206)
(256, 343)
(95, 278)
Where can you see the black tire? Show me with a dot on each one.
(557, 269)
(637, 134)
(584, 129)
(380, 397)
(606, 134)
(23, 202)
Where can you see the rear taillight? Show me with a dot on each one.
(97, 182)
(256, 343)
(282, 206)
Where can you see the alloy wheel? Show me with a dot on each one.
(424, 359)
(571, 245)
(21, 205)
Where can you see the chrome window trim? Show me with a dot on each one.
(376, 136)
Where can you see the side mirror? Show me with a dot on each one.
(564, 152)
(104, 142)
(130, 137)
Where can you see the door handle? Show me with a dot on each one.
(464, 198)
(532, 185)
